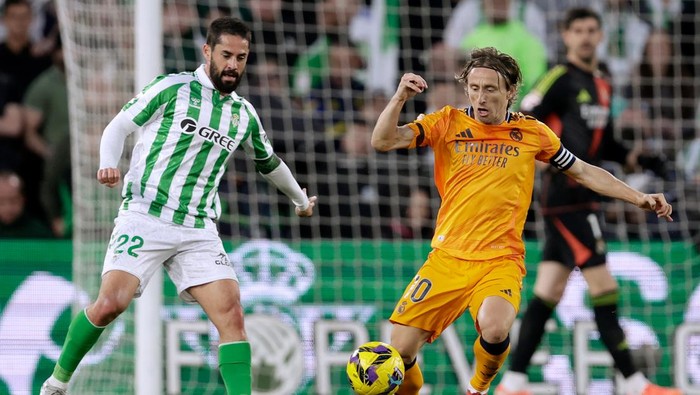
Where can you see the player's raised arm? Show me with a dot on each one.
(387, 135)
(111, 147)
(604, 183)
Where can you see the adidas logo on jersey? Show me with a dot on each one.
(465, 134)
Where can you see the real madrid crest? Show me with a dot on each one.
(516, 135)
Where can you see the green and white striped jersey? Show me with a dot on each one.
(188, 133)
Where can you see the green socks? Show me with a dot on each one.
(234, 358)
(82, 335)
(234, 365)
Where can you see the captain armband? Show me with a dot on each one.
(563, 159)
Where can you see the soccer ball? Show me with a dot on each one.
(375, 368)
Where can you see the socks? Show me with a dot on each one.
(234, 366)
(489, 359)
(82, 335)
(472, 390)
(636, 383)
(531, 332)
(514, 381)
(412, 380)
(611, 334)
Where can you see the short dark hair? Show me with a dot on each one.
(227, 25)
(576, 13)
(500, 62)
(10, 3)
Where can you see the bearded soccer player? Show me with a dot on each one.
(191, 123)
(574, 100)
(484, 171)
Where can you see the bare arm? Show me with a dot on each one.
(11, 121)
(33, 138)
(604, 183)
(387, 135)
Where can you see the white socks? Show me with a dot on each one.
(514, 381)
(636, 383)
(471, 389)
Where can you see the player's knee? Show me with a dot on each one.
(494, 330)
(105, 310)
(550, 292)
(229, 321)
(234, 314)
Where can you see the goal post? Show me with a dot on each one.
(107, 64)
(98, 46)
(148, 331)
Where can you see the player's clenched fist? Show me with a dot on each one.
(409, 86)
(109, 176)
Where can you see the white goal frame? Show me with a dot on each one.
(148, 52)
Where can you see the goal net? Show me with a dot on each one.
(313, 289)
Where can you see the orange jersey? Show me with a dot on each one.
(485, 175)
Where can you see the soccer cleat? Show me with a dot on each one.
(653, 389)
(48, 389)
(502, 390)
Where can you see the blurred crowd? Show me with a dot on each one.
(319, 74)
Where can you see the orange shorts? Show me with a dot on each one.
(445, 287)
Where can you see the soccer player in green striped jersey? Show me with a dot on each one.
(190, 125)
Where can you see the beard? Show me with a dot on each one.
(217, 78)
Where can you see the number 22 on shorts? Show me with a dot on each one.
(126, 243)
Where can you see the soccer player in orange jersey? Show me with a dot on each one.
(484, 171)
(574, 100)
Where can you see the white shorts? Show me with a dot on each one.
(141, 243)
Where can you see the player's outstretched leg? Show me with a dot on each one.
(82, 335)
(612, 335)
(531, 332)
(221, 301)
(116, 293)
